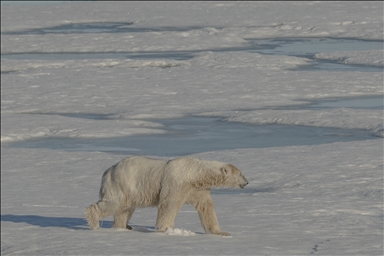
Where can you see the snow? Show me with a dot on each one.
(315, 199)
(179, 232)
(33, 126)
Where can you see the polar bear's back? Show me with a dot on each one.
(137, 177)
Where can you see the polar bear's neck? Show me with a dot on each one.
(210, 176)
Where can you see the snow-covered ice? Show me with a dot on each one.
(191, 59)
(179, 232)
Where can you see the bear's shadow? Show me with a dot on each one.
(44, 221)
(64, 222)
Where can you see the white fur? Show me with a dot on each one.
(137, 182)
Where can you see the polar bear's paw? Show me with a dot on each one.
(222, 233)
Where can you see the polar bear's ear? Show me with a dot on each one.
(224, 171)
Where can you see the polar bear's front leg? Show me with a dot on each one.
(206, 210)
(168, 209)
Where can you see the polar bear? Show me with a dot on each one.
(137, 182)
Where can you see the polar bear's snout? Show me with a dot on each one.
(243, 181)
(237, 178)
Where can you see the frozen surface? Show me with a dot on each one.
(374, 58)
(183, 136)
(327, 197)
(317, 198)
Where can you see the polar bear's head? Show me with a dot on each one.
(233, 176)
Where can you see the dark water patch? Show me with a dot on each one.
(97, 55)
(87, 116)
(200, 134)
(362, 102)
(177, 55)
(8, 72)
(338, 66)
(101, 27)
(308, 47)
(368, 102)
(76, 115)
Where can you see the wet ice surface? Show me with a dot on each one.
(374, 102)
(367, 102)
(200, 134)
(98, 55)
(307, 47)
(101, 27)
(191, 135)
(327, 65)
(300, 47)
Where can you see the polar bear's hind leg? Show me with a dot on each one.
(121, 219)
(98, 211)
